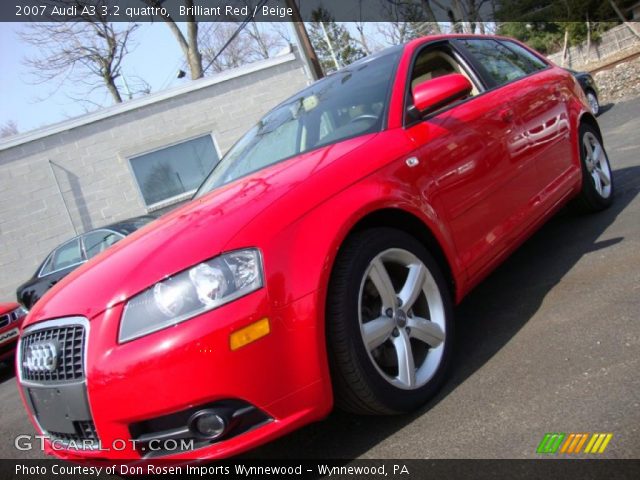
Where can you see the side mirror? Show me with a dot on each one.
(434, 94)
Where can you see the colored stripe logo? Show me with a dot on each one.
(550, 443)
(572, 443)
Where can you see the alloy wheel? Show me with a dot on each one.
(593, 103)
(597, 164)
(402, 318)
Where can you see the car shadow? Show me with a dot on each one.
(605, 108)
(502, 304)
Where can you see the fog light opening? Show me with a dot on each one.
(208, 424)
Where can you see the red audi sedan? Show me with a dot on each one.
(319, 262)
(11, 317)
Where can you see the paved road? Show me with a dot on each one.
(550, 342)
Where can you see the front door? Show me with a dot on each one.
(473, 172)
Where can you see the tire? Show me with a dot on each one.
(597, 179)
(365, 289)
(594, 105)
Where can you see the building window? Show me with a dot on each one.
(174, 173)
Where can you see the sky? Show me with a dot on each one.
(156, 58)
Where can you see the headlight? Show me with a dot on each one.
(192, 292)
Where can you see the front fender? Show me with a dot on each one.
(300, 250)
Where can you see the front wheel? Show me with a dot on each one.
(597, 179)
(389, 326)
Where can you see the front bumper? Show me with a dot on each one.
(8, 350)
(284, 375)
(8, 341)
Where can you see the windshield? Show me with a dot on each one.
(349, 103)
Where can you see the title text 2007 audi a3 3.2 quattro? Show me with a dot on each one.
(319, 261)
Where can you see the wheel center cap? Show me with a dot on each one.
(401, 319)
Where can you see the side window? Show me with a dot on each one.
(96, 242)
(358, 113)
(326, 125)
(67, 255)
(501, 63)
(525, 56)
(431, 64)
(47, 268)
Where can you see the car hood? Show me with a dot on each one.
(185, 237)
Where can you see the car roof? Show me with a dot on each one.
(400, 46)
(125, 226)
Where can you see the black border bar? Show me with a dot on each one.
(341, 10)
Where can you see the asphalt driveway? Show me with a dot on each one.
(549, 343)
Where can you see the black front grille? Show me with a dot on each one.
(69, 340)
(5, 320)
(85, 432)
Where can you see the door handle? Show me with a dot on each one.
(506, 115)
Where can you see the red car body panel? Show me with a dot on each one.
(480, 191)
(8, 333)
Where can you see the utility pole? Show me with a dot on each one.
(303, 39)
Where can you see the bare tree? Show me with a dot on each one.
(87, 51)
(397, 32)
(394, 33)
(431, 17)
(473, 9)
(464, 15)
(406, 22)
(9, 129)
(214, 36)
(222, 50)
(189, 43)
(265, 41)
(363, 39)
(282, 30)
(367, 44)
(204, 40)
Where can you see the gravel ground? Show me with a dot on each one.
(621, 81)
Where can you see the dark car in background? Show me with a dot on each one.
(71, 254)
(589, 87)
(11, 317)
